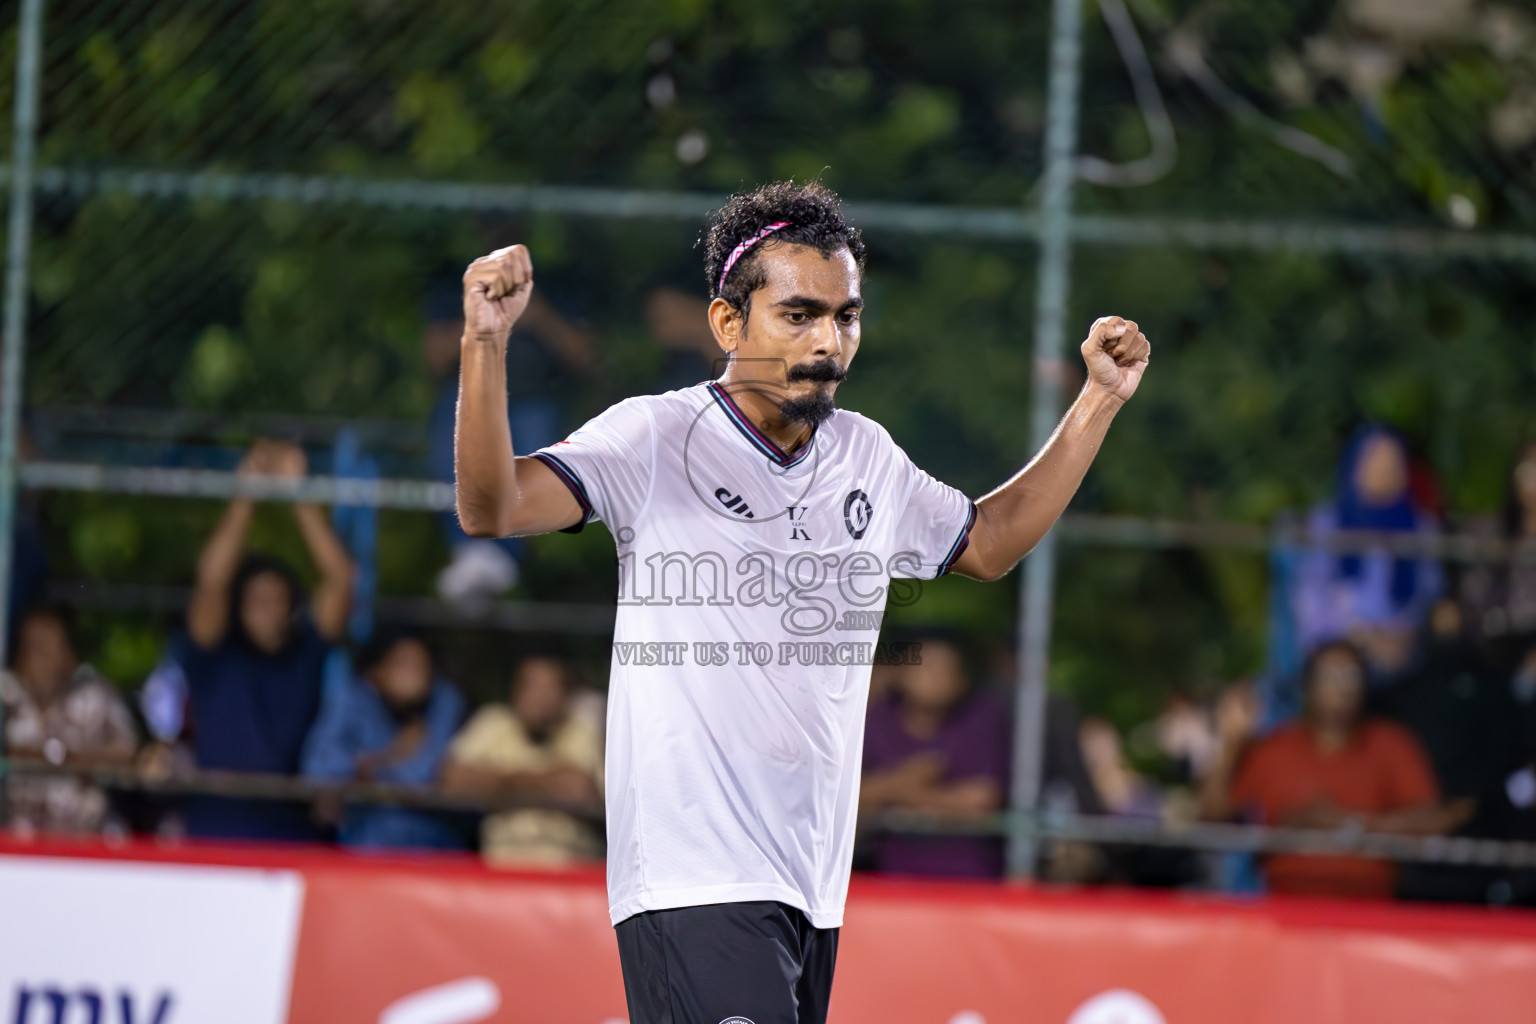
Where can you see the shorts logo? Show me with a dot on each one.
(736, 1020)
(857, 512)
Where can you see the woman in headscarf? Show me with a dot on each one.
(1373, 598)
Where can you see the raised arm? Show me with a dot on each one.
(1011, 520)
(208, 614)
(331, 602)
(498, 495)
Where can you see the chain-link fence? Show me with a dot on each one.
(1321, 213)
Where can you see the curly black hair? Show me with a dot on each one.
(815, 218)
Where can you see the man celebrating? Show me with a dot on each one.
(758, 528)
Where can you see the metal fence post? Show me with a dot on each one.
(1051, 292)
(18, 249)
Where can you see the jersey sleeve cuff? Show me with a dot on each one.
(961, 543)
(578, 491)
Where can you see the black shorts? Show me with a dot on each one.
(726, 963)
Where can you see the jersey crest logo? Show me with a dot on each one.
(733, 502)
(797, 522)
(857, 512)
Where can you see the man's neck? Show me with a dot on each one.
(756, 400)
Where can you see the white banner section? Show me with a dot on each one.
(99, 942)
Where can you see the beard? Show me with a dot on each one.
(814, 408)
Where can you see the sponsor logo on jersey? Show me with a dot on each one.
(733, 502)
(857, 512)
(797, 522)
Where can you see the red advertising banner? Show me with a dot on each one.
(446, 941)
(537, 948)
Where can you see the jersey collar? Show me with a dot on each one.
(749, 430)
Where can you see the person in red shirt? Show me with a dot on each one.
(1334, 768)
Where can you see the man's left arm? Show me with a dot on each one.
(1011, 520)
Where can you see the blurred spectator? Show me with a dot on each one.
(1466, 721)
(544, 349)
(253, 658)
(1065, 783)
(1123, 791)
(1333, 769)
(64, 712)
(1128, 794)
(1469, 725)
(1373, 599)
(391, 723)
(532, 746)
(1500, 599)
(939, 747)
(1510, 812)
(1066, 787)
(1184, 734)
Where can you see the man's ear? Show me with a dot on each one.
(727, 324)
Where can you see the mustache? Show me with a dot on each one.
(825, 371)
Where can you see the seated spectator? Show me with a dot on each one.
(1466, 721)
(1333, 769)
(253, 659)
(532, 746)
(1372, 599)
(1185, 734)
(1469, 725)
(65, 713)
(938, 747)
(1500, 598)
(391, 723)
(1125, 792)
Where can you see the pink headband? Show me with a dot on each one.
(741, 250)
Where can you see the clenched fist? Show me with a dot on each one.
(496, 291)
(1117, 354)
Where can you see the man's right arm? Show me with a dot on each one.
(498, 494)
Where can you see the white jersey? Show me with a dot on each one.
(751, 587)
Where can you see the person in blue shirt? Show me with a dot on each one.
(253, 657)
(391, 723)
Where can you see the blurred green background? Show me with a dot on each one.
(1425, 111)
